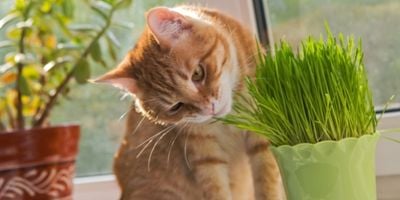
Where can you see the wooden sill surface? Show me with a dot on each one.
(105, 188)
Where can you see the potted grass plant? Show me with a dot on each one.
(45, 52)
(316, 109)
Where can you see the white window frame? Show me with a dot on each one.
(102, 187)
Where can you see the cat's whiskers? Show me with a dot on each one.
(152, 137)
(149, 140)
(145, 147)
(125, 113)
(155, 144)
(185, 150)
(138, 125)
(174, 139)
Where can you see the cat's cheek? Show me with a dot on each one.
(199, 119)
(224, 109)
(225, 99)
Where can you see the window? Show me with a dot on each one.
(375, 21)
(99, 109)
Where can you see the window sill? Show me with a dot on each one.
(105, 188)
(96, 187)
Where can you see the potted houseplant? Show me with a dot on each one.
(316, 109)
(45, 52)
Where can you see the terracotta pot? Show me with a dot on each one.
(38, 164)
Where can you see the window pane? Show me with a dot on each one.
(376, 22)
(98, 108)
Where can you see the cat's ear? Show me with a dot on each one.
(119, 78)
(116, 79)
(168, 27)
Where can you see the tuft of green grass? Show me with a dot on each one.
(320, 93)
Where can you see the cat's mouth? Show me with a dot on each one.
(225, 109)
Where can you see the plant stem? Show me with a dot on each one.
(20, 123)
(60, 88)
(11, 121)
(2, 126)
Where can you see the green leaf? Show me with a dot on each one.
(20, 4)
(82, 72)
(62, 22)
(111, 49)
(110, 2)
(95, 52)
(46, 7)
(24, 86)
(102, 5)
(5, 67)
(13, 33)
(68, 8)
(68, 46)
(59, 61)
(113, 38)
(103, 63)
(8, 19)
(123, 4)
(99, 11)
(25, 24)
(123, 24)
(6, 43)
(83, 27)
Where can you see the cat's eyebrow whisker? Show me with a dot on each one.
(173, 141)
(155, 145)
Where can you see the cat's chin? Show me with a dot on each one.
(200, 119)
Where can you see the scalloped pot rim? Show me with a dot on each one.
(52, 127)
(322, 143)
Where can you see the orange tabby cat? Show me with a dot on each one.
(183, 72)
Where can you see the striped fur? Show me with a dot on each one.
(184, 154)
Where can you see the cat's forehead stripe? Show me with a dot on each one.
(211, 49)
(160, 90)
(182, 75)
(226, 51)
(164, 100)
(171, 76)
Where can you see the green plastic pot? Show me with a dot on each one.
(329, 170)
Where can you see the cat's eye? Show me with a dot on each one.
(175, 108)
(198, 74)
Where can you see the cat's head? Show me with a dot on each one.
(181, 69)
